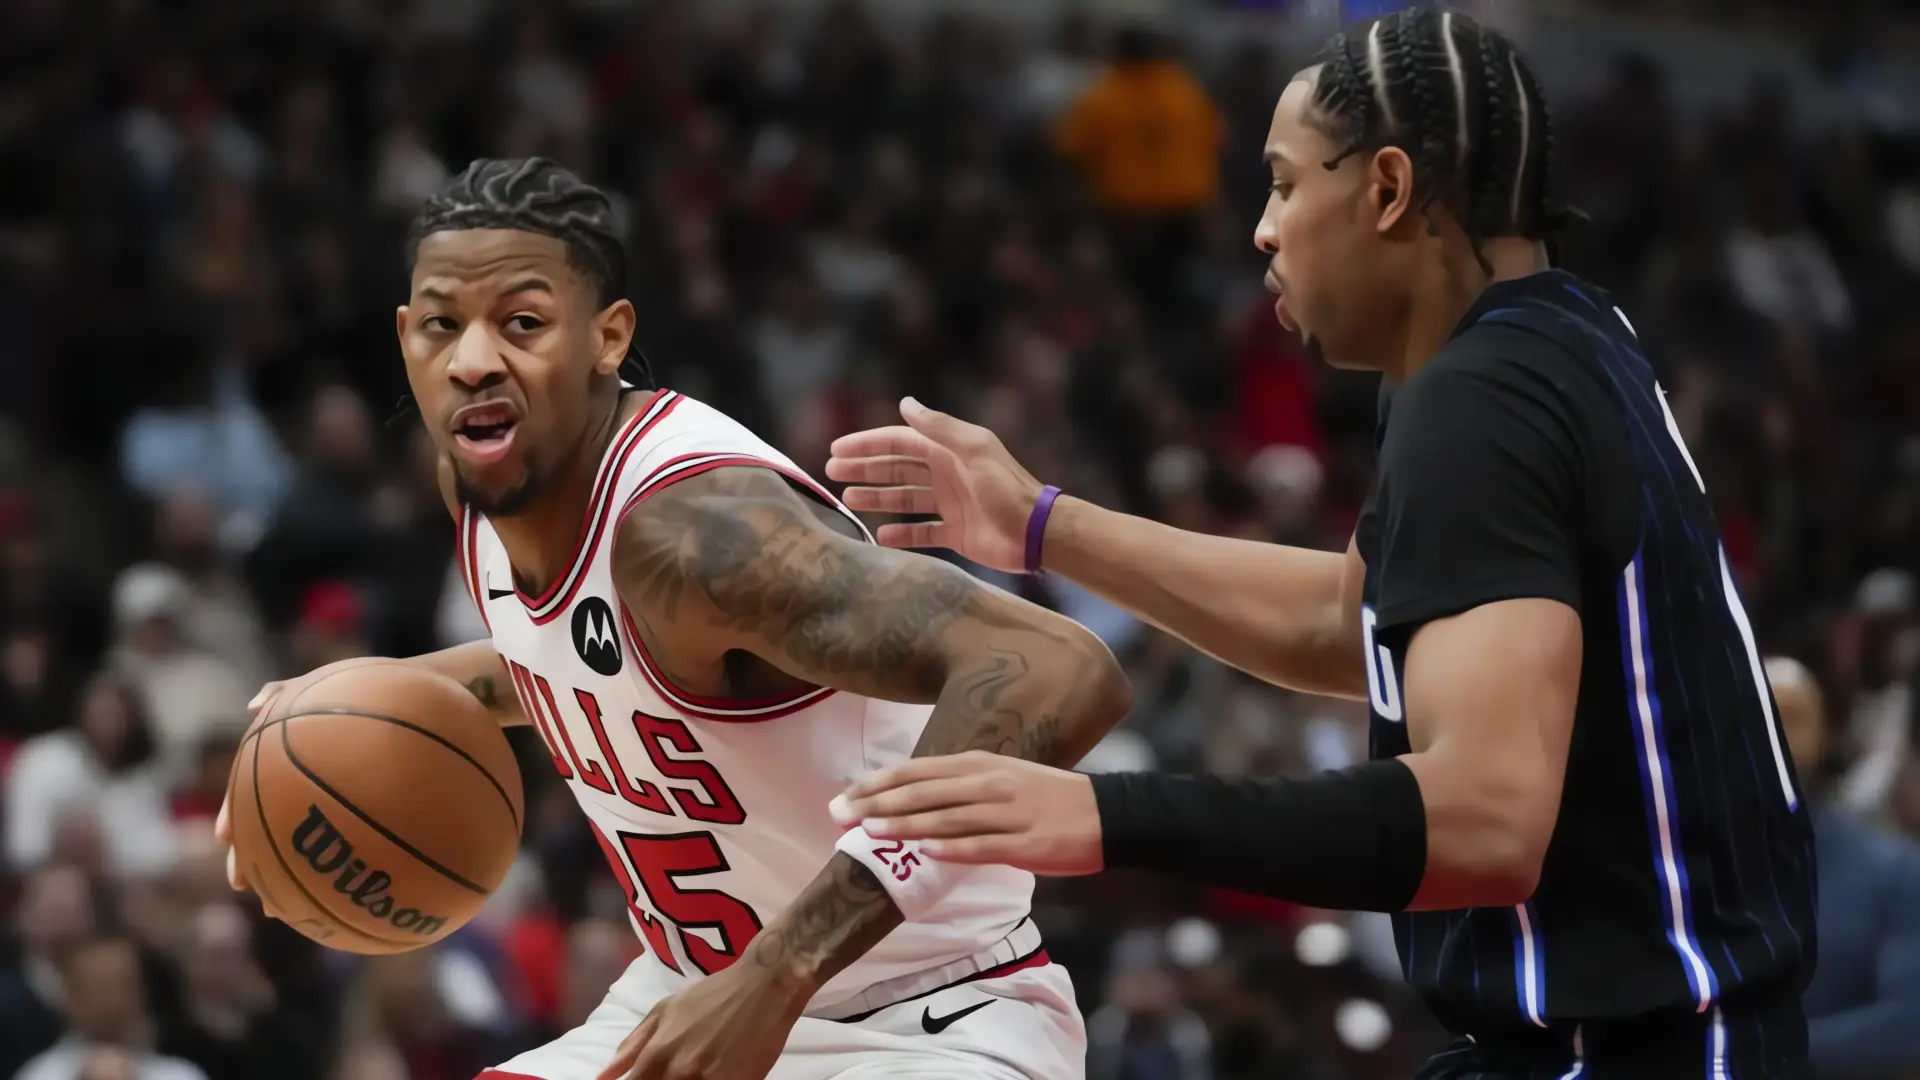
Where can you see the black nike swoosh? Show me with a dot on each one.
(495, 594)
(934, 1025)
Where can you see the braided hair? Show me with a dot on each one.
(1462, 103)
(538, 195)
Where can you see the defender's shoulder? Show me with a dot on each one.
(1539, 354)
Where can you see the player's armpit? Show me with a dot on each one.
(737, 557)
(1490, 698)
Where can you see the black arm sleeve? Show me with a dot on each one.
(1348, 840)
(1484, 479)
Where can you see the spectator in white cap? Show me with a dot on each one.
(191, 692)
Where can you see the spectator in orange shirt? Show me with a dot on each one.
(1146, 138)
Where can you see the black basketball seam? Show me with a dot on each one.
(256, 732)
(260, 886)
(266, 829)
(286, 745)
(418, 730)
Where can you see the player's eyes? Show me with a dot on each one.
(525, 324)
(1283, 188)
(437, 323)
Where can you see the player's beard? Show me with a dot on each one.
(508, 503)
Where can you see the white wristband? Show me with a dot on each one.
(914, 879)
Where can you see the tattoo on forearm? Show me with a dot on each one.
(976, 712)
(486, 691)
(844, 913)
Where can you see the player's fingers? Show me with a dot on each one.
(629, 1052)
(222, 825)
(967, 819)
(267, 693)
(651, 1064)
(950, 432)
(914, 771)
(924, 796)
(882, 442)
(997, 849)
(913, 534)
(892, 500)
(234, 877)
(886, 469)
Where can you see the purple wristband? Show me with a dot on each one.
(1037, 526)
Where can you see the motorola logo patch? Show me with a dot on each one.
(596, 637)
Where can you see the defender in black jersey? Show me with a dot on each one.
(1672, 929)
(1579, 806)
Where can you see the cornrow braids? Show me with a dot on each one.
(1462, 103)
(1499, 139)
(537, 195)
(1344, 98)
(1428, 123)
(1551, 213)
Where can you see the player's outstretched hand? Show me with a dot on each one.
(978, 807)
(937, 464)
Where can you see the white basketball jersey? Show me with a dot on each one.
(713, 813)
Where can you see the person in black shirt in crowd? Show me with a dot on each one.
(1579, 807)
(55, 914)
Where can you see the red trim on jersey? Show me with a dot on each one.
(496, 1074)
(1038, 958)
(724, 710)
(548, 605)
(745, 713)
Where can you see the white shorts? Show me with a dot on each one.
(999, 1019)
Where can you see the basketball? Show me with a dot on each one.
(375, 809)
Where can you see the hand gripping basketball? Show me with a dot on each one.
(943, 466)
(374, 806)
(259, 708)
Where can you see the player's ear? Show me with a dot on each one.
(1390, 184)
(400, 323)
(615, 324)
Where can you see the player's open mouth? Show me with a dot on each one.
(484, 432)
(1280, 310)
(1285, 316)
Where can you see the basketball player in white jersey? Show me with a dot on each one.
(712, 648)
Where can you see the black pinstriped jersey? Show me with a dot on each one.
(1535, 456)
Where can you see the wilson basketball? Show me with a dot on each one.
(376, 809)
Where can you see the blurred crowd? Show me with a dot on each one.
(209, 476)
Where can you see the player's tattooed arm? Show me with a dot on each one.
(736, 561)
(740, 562)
